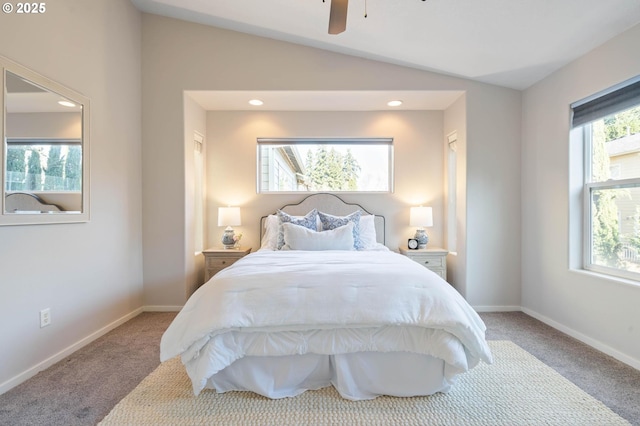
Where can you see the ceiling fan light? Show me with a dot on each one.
(256, 102)
(338, 16)
(394, 103)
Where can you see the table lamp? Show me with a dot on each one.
(229, 216)
(421, 217)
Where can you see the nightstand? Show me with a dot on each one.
(216, 259)
(433, 258)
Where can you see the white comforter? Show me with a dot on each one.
(323, 302)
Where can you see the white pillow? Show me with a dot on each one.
(368, 238)
(309, 221)
(298, 237)
(330, 221)
(270, 236)
(271, 229)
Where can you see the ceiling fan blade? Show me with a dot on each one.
(338, 16)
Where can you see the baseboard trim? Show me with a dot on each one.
(602, 347)
(27, 374)
(497, 308)
(160, 308)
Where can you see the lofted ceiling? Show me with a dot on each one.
(509, 43)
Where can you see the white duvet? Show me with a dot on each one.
(323, 302)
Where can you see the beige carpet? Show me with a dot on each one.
(517, 389)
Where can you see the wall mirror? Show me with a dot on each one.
(45, 150)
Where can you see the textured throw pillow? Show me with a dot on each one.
(298, 237)
(330, 222)
(309, 221)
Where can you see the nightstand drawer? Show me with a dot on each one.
(215, 260)
(218, 263)
(429, 261)
(434, 259)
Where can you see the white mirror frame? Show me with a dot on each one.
(7, 218)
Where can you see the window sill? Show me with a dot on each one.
(607, 277)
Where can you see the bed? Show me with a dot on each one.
(324, 303)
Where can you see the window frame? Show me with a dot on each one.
(588, 188)
(388, 141)
(588, 228)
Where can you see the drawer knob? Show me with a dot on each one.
(224, 262)
(426, 262)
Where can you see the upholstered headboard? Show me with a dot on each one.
(331, 204)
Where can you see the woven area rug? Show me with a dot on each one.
(517, 389)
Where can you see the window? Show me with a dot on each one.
(319, 165)
(35, 165)
(610, 125)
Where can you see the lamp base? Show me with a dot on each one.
(228, 238)
(422, 238)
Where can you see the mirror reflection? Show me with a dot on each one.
(43, 161)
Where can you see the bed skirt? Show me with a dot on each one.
(356, 376)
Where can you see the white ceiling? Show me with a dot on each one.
(510, 43)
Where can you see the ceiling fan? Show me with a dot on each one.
(338, 15)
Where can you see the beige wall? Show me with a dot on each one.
(493, 196)
(231, 163)
(88, 274)
(600, 311)
(179, 56)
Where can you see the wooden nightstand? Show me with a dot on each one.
(433, 258)
(216, 259)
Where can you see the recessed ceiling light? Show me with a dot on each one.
(394, 103)
(256, 102)
(67, 104)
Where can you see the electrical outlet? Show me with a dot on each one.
(45, 317)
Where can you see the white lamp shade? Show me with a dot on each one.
(229, 216)
(421, 216)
